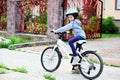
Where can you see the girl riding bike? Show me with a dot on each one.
(79, 34)
(88, 62)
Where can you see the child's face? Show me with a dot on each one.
(70, 17)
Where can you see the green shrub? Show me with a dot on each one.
(16, 40)
(4, 45)
(110, 35)
(108, 26)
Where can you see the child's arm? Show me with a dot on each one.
(65, 28)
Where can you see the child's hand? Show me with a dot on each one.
(53, 31)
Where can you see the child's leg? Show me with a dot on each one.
(71, 43)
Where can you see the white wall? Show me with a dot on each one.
(109, 9)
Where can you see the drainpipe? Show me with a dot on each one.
(63, 3)
(101, 18)
(63, 12)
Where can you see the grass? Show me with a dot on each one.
(4, 45)
(18, 40)
(2, 71)
(4, 67)
(14, 40)
(112, 65)
(105, 63)
(21, 70)
(49, 77)
(11, 47)
(110, 35)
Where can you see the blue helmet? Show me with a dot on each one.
(71, 11)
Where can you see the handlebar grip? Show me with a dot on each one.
(51, 31)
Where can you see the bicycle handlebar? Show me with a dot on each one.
(60, 34)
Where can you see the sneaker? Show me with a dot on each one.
(75, 60)
(77, 71)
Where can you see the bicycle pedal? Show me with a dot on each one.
(72, 55)
(78, 64)
(75, 71)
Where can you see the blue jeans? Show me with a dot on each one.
(71, 43)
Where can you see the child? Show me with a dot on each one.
(76, 27)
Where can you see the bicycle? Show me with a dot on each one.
(90, 63)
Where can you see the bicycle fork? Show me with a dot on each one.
(56, 48)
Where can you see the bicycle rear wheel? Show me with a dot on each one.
(93, 66)
(50, 59)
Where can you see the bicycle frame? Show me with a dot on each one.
(63, 47)
(66, 49)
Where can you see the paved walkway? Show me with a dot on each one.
(109, 49)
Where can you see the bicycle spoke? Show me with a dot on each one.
(91, 66)
(50, 59)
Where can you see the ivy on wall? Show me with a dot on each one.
(3, 17)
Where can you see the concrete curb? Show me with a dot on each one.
(30, 44)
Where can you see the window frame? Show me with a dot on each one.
(117, 2)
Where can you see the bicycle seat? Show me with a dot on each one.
(81, 42)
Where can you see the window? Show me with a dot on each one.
(104, 4)
(117, 5)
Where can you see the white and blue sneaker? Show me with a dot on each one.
(75, 60)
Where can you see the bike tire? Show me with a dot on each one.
(58, 57)
(86, 53)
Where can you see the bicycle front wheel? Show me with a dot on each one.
(50, 59)
(92, 66)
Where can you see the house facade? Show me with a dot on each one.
(112, 8)
(32, 16)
